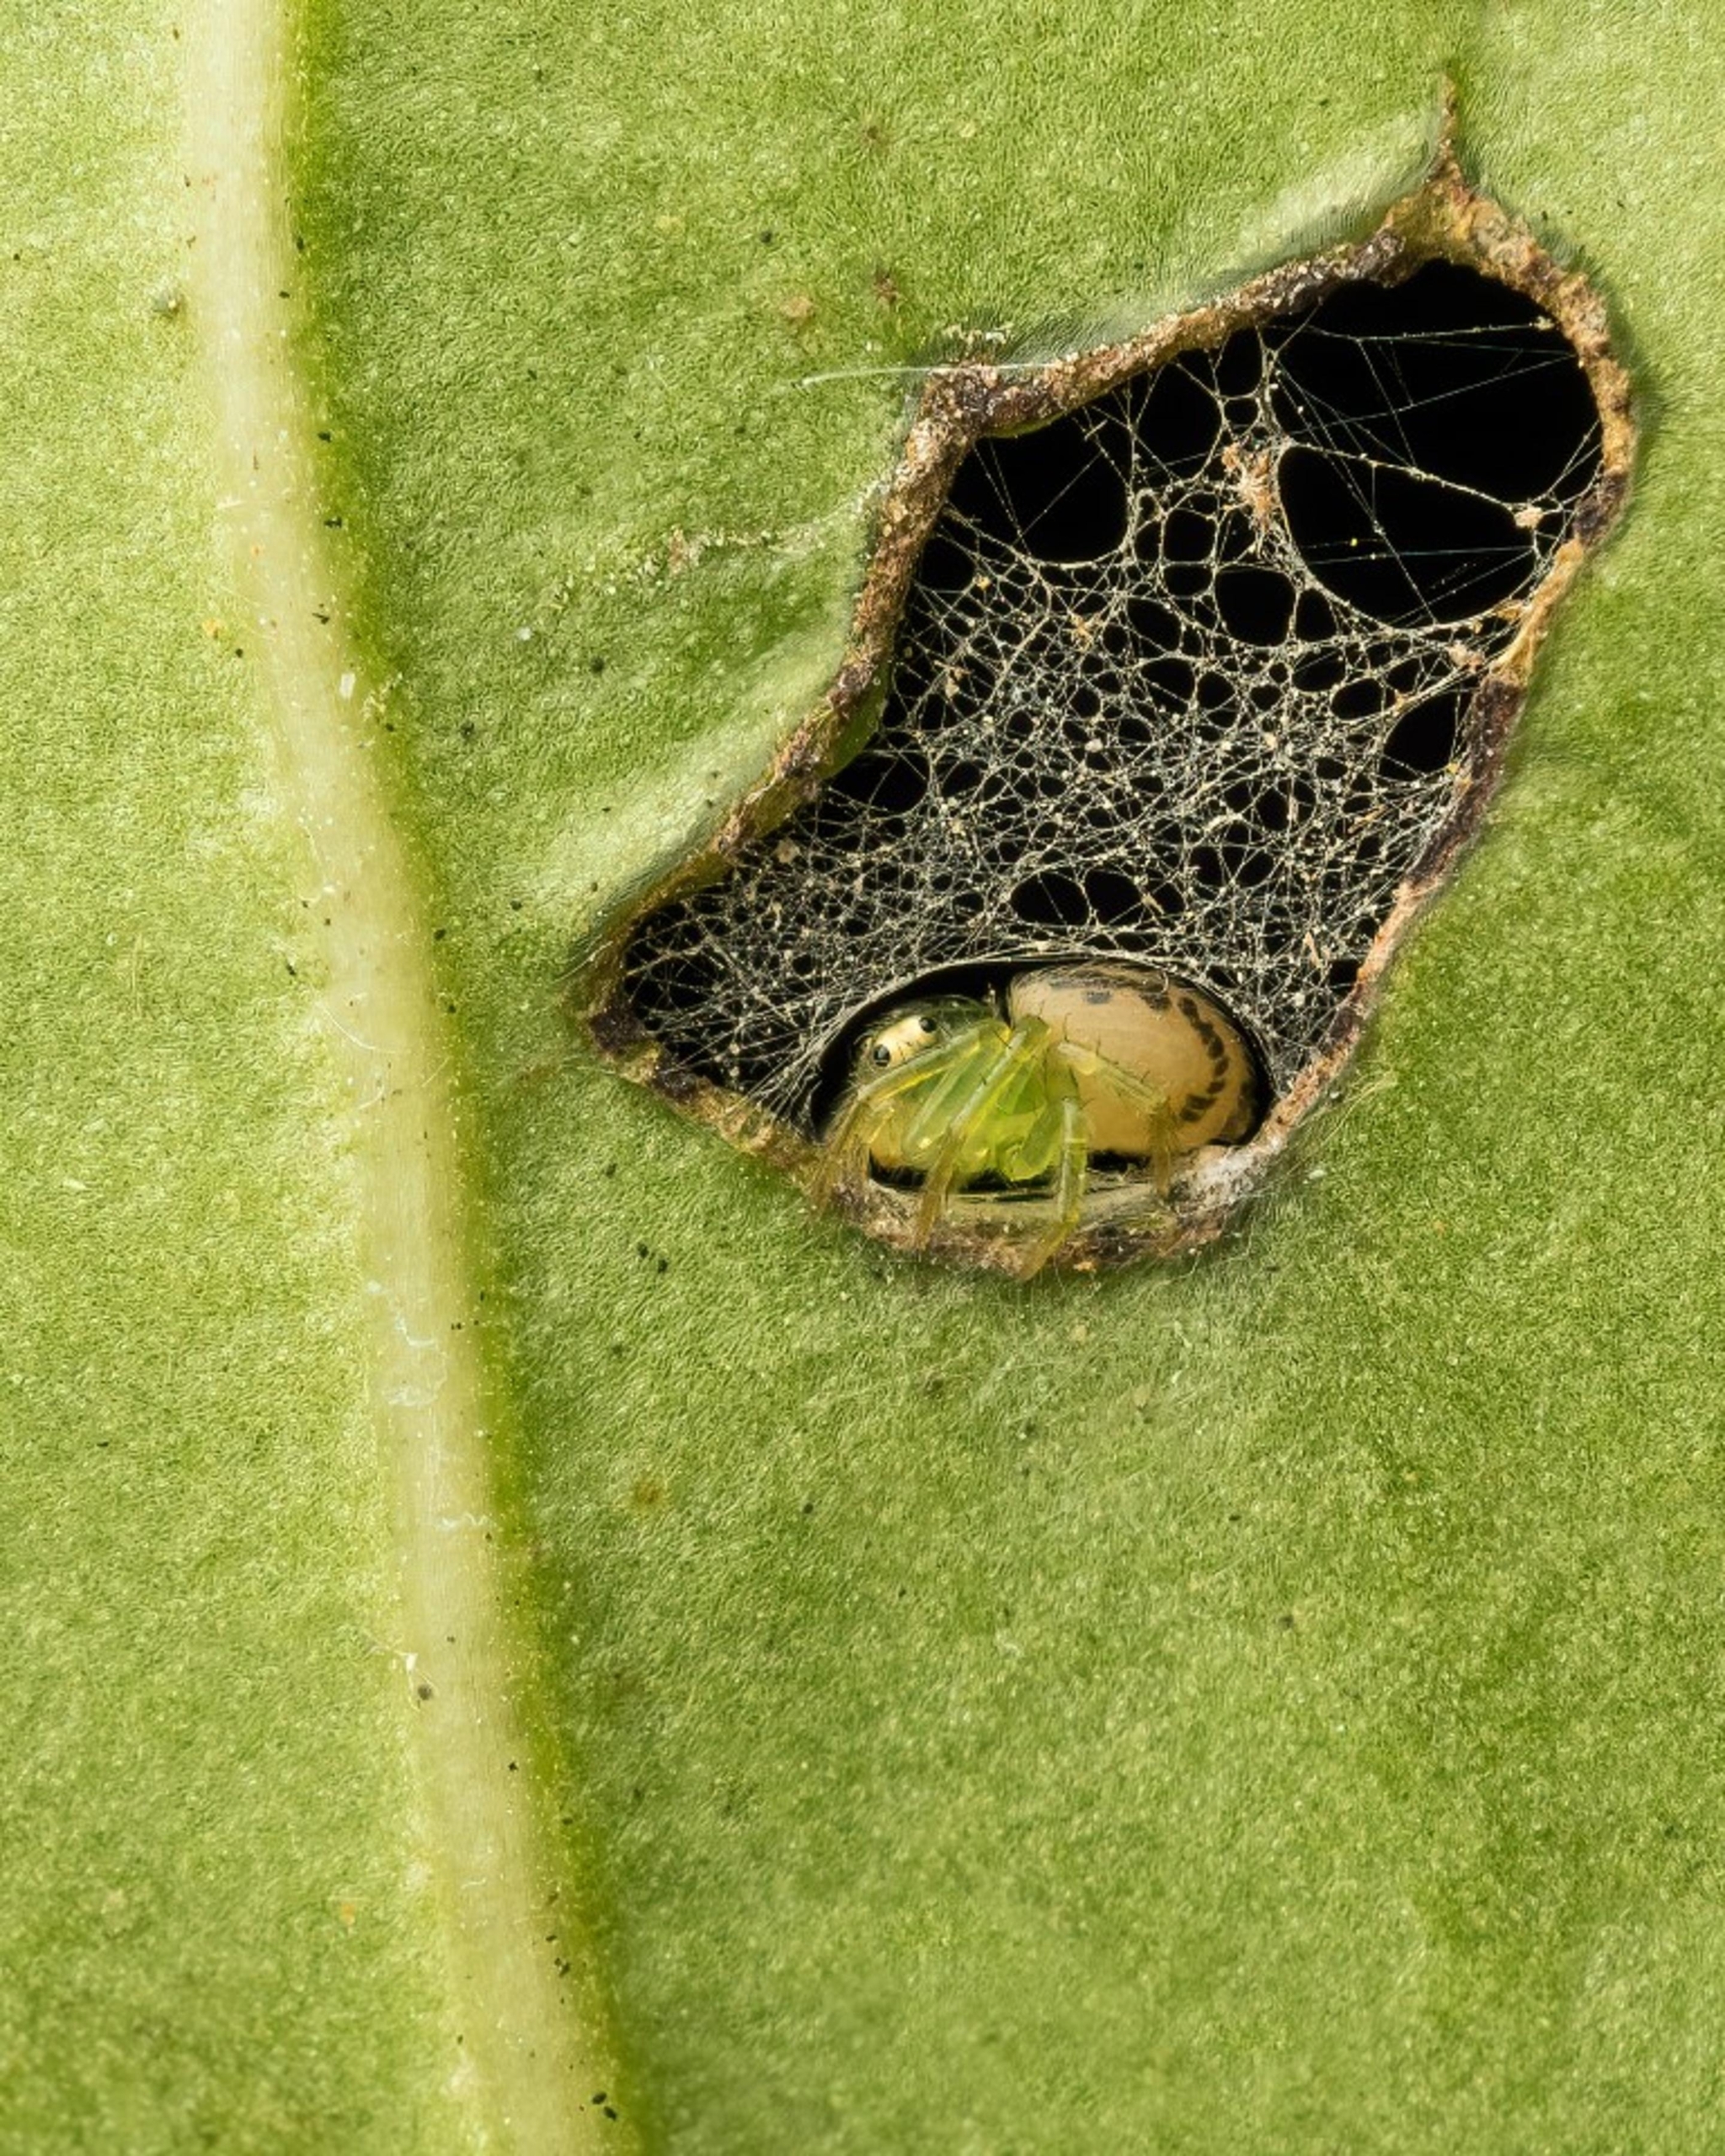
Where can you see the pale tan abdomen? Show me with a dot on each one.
(1161, 1030)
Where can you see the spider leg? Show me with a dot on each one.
(1070, 1165)
(844, 1164)
(844, 1161)
(1038, 1151)
(1165, 1146)
(1026, 1041)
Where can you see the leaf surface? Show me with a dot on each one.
(1267, 1703)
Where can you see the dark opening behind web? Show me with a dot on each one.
(1183, 678)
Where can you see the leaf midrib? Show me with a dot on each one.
(529, 2037)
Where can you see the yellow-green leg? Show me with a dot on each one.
(1166, 1145)
(967, 1119)
(845, 1165)
(1071, 1166)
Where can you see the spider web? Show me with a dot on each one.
(1184, 678)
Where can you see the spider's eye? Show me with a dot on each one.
(881, 1054)
(926, 1024)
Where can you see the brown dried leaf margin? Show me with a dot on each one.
(1443, 219)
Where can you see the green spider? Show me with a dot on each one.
(1106, 1058)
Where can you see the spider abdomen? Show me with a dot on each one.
(1162, 1030)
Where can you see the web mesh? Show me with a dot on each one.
(1184, 677)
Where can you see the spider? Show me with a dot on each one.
(1104, 1058)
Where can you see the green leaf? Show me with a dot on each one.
(1268, 1703)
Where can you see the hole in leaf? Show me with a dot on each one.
(1184, 675)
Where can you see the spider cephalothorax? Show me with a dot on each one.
(1077, 1061)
